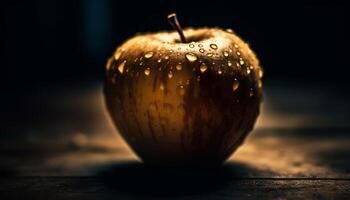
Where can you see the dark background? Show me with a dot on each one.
(55, 42)
(53, 122)
(53, 45)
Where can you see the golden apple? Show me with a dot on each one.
(188, 101)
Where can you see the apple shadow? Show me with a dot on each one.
(135, 178)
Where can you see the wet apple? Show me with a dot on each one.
(187, 97)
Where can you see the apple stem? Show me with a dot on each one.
(172, 19)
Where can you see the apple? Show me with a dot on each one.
(188, 100)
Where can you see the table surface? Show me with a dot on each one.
(66, 147)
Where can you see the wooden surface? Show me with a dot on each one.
(66, 148)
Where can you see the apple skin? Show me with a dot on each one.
(184, 104)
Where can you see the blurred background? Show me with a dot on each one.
(53, 54)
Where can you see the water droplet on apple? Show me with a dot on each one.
(191, 57)
(209, 54)
(109, 63)
(118, 53)
(261, 72)
(178, 67)
(251, 93)
(121, 66)
(219, 71)
(166, 57)
(161, 87)
(235, 85)
(213, 46)
(229, 63)
(200, 45)
(241, 62)
(147, 71)
(181, 90)
(238, 53)
(236, 46)
(229, 30)
(149, 54)
(248, 70)
(203, 68)
(170, 74)
(159, 60)
(191, 45)
(201, 50)
(225, 53)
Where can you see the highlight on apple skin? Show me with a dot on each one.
(181, 104)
